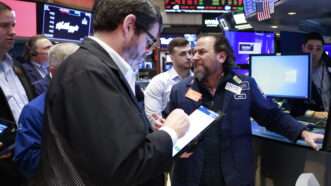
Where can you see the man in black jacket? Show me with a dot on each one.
(36, 62)
(318, 105)
(15, 89)
(95, 133)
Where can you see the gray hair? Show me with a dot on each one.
(59, 52)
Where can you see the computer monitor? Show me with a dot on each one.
(241, 71)
(249, 7)
(286, 76)
(327, 49)
(65, 24)
(246, 43)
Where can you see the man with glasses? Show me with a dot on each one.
(318, 106)
(94, 131)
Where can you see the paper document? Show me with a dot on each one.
(200, 119)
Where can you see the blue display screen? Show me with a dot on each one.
(282, 76)
(2, 127)
(249, 7)
(246, 43)
(241, 71)
(60, 23)
(327, 49)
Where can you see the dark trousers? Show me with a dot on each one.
(9, 174)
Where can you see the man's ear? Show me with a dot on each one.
(128, 26)
(221, 57)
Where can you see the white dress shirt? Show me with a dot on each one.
(158, 91)
(130, 76)
(124, 67)
(12, 87)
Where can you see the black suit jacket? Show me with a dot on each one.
(5, 112)
(9, 174)
(39, 83)
(95, 133)
(298, 107)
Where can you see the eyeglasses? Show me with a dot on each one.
(151, 41)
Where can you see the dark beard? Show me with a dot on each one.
(200, 75)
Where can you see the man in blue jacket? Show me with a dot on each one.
(28, 139)
(224, 155)
(36, 62)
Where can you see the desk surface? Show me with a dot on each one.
(260, 131)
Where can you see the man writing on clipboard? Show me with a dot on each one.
(225, 156)
(95, 133)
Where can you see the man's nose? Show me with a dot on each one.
(12, 31)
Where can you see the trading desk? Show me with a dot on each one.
(279, 162)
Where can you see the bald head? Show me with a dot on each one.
(58, 53)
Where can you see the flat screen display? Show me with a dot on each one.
(249, 7)
(327, 49)
(241, 71)
(61, 23)
(203, 6)
(26, 17)
(282, 76)
(246, 43)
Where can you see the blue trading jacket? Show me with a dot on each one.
(28, 139)
(235, 137)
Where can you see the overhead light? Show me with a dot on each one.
(243, 27)
(239, 18)
(274, 26)
(291, 13)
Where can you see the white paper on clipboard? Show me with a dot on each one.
(200, 119)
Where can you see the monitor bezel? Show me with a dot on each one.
(284, 96)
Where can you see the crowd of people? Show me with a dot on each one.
(82, 120)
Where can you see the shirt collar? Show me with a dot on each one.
(7, 62)
(174, 75)
(124, 67)
(38, 65)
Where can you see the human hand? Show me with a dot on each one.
(178, 121)
(157, 121)
(320, 115)
(311, 139)
(186, 155)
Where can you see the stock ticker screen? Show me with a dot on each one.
(60, 23)
(203, 6)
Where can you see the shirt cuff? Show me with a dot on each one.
(172, 134)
